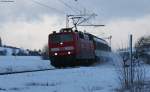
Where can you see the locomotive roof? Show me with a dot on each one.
(93, 36)
(98, 39)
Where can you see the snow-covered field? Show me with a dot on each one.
(22, 63)
(100, 78)
(83, 79)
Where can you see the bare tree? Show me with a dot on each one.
(142, 47)
(124, 73)
(45, 52)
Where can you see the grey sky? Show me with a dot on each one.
(106, 9)
(23, 17)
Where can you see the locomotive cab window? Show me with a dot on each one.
(61, 38)
(67, 37)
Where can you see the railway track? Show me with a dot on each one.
(28, 71)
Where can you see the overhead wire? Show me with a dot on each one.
(44, 5)
(64, 3)
(86, 14)
(76, 10)
(70, 7)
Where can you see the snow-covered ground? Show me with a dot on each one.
(100, 78)
(82, 79)
(22, 63)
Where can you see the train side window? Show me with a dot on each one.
(81, 35)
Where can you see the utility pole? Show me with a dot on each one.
(131, 61)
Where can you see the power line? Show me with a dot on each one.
(86, 19)
(44, 5)
(70, 7)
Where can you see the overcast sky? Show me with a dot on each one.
(27, 23)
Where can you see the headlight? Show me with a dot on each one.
(69, 52)
(55, 54)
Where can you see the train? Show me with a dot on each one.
(68, 48)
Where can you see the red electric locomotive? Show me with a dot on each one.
(71, 48)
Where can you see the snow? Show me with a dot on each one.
(100, 78)
(22, 63)
(82, 79)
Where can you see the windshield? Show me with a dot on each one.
(61, 38)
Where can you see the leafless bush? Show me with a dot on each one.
(134, 82)
(139, 77)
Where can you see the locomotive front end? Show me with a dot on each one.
(62, 48)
